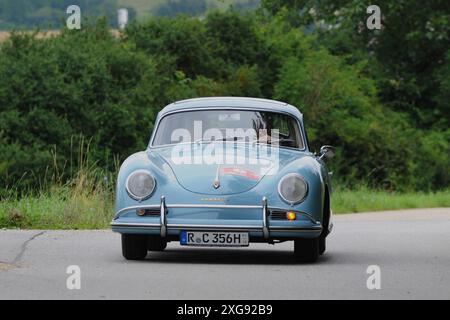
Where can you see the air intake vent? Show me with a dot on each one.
(152, 212)
(278, 215)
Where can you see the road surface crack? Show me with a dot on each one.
(23, 248)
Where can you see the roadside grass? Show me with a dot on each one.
(83, 201)
(60, 208)
(363, 199)
(84, 205)
(76, 206)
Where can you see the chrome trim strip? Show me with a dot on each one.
(134, 224)
(214, 206)
(188, 206)
(216, 182)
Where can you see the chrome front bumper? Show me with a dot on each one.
(314, 227)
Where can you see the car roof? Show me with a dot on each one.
(232, 102)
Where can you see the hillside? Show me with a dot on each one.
(48, 14)
(145, 8)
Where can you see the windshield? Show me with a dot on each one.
(229, 125)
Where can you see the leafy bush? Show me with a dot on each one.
(89, 92)
(80, 84)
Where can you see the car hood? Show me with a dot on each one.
(198, 173)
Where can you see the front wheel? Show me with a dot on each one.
(156, 243)
(306, 250)
(322, 244)
(134, 246)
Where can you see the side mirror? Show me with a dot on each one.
(326, 152)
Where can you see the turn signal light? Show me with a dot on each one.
(140, 212)
(290, 215)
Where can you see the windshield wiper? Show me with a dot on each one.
(272, 140)
(223, 139)
(230, 139)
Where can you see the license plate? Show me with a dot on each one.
(214, 239)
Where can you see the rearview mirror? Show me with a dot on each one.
(326, 152)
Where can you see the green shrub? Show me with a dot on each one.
(91, 93)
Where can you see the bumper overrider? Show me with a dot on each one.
(263, 229)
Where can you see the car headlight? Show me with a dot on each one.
(292, 188)
(140, 185)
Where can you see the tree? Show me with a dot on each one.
(408, 51)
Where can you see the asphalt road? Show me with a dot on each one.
(411, 247)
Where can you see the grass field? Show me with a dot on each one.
(4, 35)
(76, 208)
(146, 8)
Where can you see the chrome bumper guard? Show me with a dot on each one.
(163, 213)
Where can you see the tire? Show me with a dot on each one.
(134, 246)
(326, 223)
(306, 250)
(322, 244)
(156, 243)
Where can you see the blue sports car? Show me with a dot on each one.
(225, 172)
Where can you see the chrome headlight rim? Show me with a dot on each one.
(297, 176)
(133, 196)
